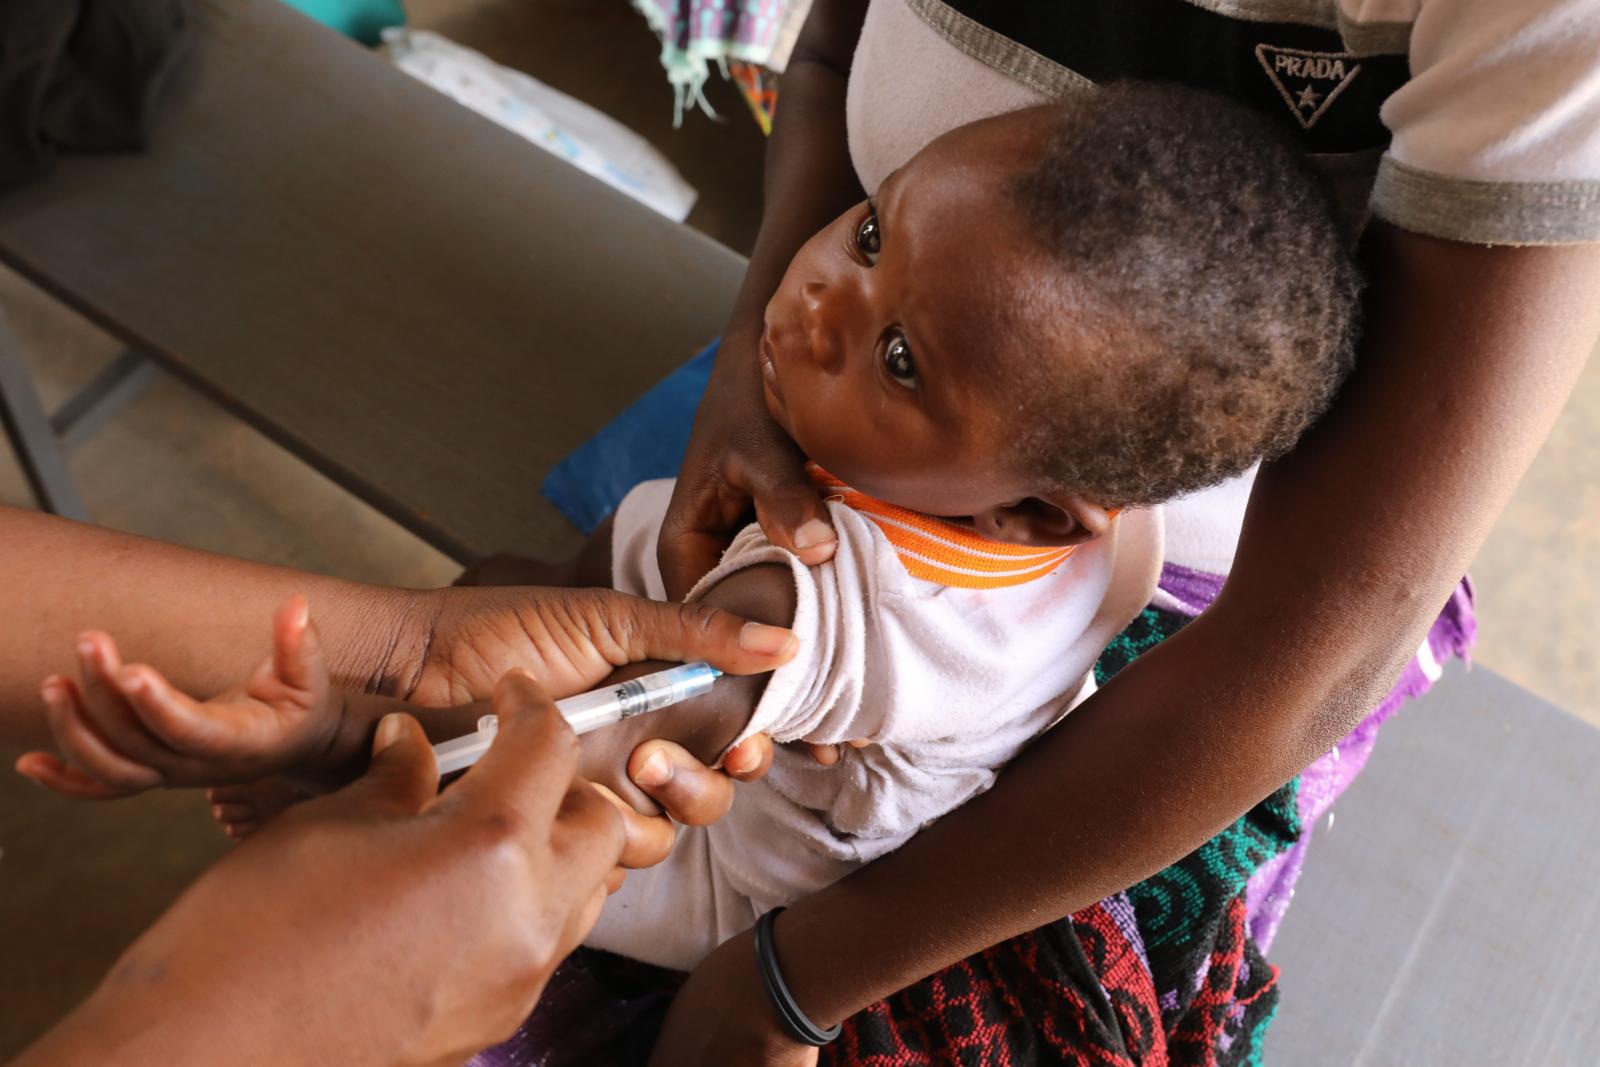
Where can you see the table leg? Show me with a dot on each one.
(31, 435)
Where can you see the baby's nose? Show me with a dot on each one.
(816, 316)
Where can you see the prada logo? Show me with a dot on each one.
(1309, 82)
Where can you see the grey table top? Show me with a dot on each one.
(1448, 916)
(422, 305)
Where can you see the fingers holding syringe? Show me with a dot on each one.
(526, 786)
(647, 839)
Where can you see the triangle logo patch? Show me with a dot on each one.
(1309, 82)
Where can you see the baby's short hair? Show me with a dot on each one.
(1213, 278)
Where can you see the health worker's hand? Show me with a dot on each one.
(381, 924)
(571, 639)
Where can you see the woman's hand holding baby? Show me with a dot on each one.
(739, 459)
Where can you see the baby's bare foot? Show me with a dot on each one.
(243, 809)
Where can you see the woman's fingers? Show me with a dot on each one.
(647, 839)
(98, 663)
(532, 734)
(233, 812)
(403, 776)
(687, 789)
(791, 513)
(701, 519)
(749, 759)
(738, 457)
(827, 755)
(589, 840)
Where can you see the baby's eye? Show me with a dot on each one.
(868, 237)
(897, 361)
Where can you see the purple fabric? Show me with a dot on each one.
(1194, 590)
(1270, 889)
(1268, 893)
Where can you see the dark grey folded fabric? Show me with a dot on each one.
(82, 76)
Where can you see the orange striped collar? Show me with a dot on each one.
(937, 550)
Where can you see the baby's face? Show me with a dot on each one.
(888, 335)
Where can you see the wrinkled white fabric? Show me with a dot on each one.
(949, 684)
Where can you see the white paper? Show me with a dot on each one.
(588, 139)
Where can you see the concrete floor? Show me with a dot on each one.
(78, 881)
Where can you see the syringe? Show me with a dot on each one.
(590, 711)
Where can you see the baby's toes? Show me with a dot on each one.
(243, 809)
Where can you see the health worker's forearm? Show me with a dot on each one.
(1350, 547)
(204, 620)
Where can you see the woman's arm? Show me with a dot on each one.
(1350, 546)
(737, 452)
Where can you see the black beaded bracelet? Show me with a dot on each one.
(800, 1027)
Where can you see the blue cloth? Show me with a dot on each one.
(646, 441)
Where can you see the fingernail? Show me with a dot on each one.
(390, 727)
(654, 771)
(814, 532)
(763, 639)
(85, 649)
(740, 760)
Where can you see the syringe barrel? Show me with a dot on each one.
(591, 711)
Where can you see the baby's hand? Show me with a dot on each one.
(125, 729)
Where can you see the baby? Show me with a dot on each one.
(1042, 326)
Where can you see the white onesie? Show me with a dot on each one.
(947, 678)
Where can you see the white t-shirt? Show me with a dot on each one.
(949, 683)
(1491, 133)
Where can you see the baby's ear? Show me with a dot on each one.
(1056, 519)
